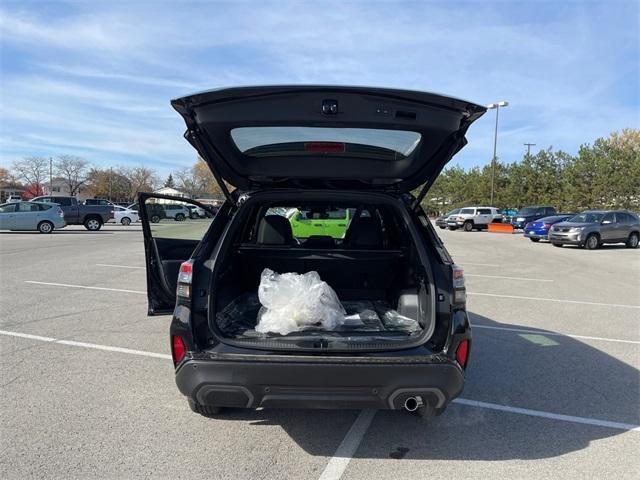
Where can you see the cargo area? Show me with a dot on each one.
(369, 261)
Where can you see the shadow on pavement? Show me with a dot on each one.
(555, 374)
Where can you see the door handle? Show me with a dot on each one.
(342, 224)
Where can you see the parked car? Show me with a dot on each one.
(124, 215)
(155, 211)
(390, 257)
(321, 221)
(196, 212)
(539, 229)
(91, 216)
(593, 228)
(176, 211)
(530, 214)
(508, 214)
(441, 221)
(41, 216)
(14, 198)
(474, 218)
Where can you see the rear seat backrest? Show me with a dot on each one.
(274, 230)
(365, 232)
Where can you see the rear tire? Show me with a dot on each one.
(155, 218)
(179, 217)
(45, 227)
(126, 221)
(535, 240)
(468, 226)
(442, 227)
(556, 244)
(633, 240)
(92, 224)
(204, 410)
(592, 242)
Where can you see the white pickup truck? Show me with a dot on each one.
(470, 218)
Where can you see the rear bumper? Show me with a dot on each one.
(319, 382)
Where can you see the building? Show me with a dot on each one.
(169, 191)
(8, 189)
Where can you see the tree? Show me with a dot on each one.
(198, 180)
(170, 182)
(33, 171)
(4, 176)
(112, 183)
(142, 179)
(73, 170)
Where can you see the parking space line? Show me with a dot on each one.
(140, 292)
(348, 447)
(556, 334)
(94, 346)
(478, 264)
(119, 266)
(352, 440)
(557, 300)
(509, 278)
(549, 415)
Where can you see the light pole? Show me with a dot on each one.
(497, 106)
(529, 145)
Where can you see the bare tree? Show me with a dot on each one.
(32, 170)
(142, 179)
(73, 170)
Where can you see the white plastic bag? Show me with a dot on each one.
(293, 302)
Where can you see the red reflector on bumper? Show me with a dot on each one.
(462, 352)
(177, 349)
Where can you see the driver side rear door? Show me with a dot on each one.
(167, 245)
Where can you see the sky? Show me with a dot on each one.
(94, 79)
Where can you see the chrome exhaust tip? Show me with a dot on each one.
(411, 404)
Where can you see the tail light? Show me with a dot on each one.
(459, 289)
(60, 213)
(462, 352)
(112, 214)
(177, 349)
(546, 226)
(185, 279)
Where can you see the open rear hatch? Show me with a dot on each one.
(325, 136)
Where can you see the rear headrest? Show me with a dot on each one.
(319, 241)
(365, 232)
(275, 230)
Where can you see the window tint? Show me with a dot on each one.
(609, 217)
(484, 211)
(28, 207)
(467, 211)
(8, 207)
(62, 201)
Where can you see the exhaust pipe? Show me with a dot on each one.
(411, 404)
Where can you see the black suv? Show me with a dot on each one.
(318, 149)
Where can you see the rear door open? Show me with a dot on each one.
(325, 136)
(167, 244)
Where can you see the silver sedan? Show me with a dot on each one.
(40, 216)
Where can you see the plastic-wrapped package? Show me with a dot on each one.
(394, 321)
(293, 302)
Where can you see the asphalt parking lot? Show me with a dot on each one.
(553, 387)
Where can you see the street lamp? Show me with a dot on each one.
(497, 106)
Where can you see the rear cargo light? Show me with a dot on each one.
(177, 349)
(185, 278)
(462, 353)
(459, 289)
